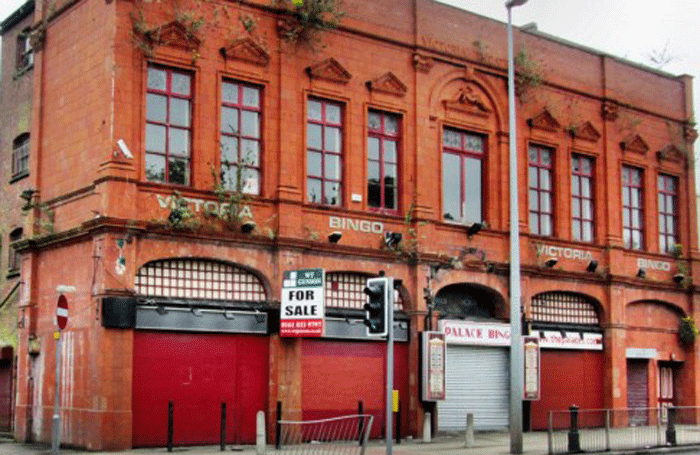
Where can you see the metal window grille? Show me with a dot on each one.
(564, 308)
(346, 290)
(668, 213)
(198, 279)
(540, 192)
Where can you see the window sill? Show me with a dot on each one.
(18, 177)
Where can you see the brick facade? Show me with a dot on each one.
(434, 68)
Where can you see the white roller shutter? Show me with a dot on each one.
(477, 382)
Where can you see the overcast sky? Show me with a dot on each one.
(633, 29)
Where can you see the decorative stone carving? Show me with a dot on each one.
(634, 144)
(609, 110)
(544, 121)
(585, 131)
(329, 70)
(470, 101)
(174, 34)
(422, 63)
(671, 153)
(690, 133)
(388, 83)
(246, 50)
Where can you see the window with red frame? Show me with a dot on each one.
(668, 213)
(324, 153)
(383, 136)
(240, 137)
(462, 172)
(168, 125)
(540, 190)
(582, 198)
(20, 156)
(632, 208)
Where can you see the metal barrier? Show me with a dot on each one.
(345, 435)
(599, 430)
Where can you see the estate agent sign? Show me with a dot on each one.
(303, 302)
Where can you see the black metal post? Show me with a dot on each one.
(170, 425)
(361, 427)
(398, 425)
(574, 436)
(671, 427)
(278, 427)
(222, 437)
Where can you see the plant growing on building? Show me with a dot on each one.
(44, 216)
(181, 215)
(308, 19)
(528, 74)
(687, 331)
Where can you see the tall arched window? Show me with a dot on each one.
(20, 156)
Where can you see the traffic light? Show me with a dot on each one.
(377, 308)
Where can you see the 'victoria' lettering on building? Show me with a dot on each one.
(567, 253)
(168, 202)
(350, 224)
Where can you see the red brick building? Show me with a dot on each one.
(184, 155)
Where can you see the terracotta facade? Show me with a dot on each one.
(435, 69)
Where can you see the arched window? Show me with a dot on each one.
(564, 308)
(346, 290)
(463, 300)
(204, 279)
(20, 155)
(13, 263)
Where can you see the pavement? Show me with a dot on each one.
(490, 443)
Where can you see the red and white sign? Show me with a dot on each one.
(62, 312)
(531, 386)
(433, 366)
(475, 333)
(555, 339)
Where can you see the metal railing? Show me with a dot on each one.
(345, 435)
(599, 430)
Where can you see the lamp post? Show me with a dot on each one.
(516, 341)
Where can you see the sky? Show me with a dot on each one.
(637, 30)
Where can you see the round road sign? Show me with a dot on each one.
(62, 312)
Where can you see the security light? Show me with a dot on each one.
(551, 262)
(334, 236)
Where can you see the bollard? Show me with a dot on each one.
(170, 426)
(574, 437)
(671, 426)
(222, 430)
(260, 440)
(427, 423)
(469, 434)
(361, 429)
(278, 427)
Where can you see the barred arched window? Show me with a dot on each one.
(345, 290)
(564, 308)
(198, 279)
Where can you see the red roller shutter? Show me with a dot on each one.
(569, 377)
(198, 372)
(338, 374)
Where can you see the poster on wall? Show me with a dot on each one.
(433, 366)
(302, 303)
(531, 389)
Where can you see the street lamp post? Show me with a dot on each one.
(516, 341)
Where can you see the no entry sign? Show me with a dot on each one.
(303, 302)
(62, 312)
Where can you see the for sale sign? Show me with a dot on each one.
(303, 303)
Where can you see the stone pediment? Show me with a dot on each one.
(469, 100)
(544, 121)
(246, 50)
(671, 153)
(634, 144)
(329, 70)
(585, 131)
(174, 34)
(388, 83)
